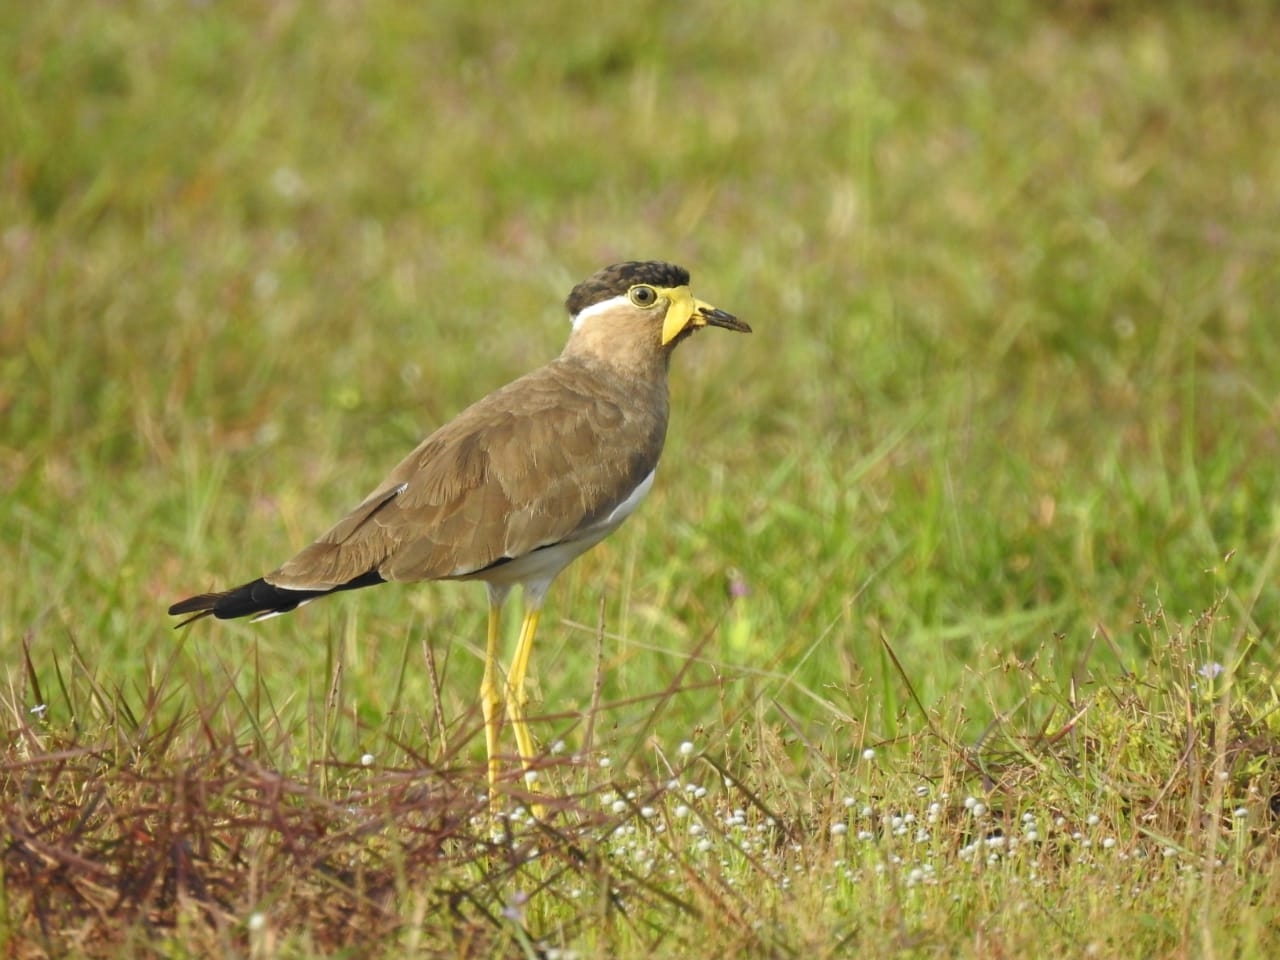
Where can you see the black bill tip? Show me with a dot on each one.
(720, 318)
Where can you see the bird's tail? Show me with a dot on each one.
(259, 599)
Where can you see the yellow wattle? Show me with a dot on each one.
(679, 313)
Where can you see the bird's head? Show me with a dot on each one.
(644, 303)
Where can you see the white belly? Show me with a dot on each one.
(536, 570)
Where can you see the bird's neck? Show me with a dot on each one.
(628, 361)
(639, 389)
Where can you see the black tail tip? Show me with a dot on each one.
(258, 599)
(203, 605)
(247, 600)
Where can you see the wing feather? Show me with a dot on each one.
(528, 466)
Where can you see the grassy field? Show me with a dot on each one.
(948, 629)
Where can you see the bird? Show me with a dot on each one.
(517, 485)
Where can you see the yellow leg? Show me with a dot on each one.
(491, 703)
(517, 697)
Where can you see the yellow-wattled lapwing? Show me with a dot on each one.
(518, 484)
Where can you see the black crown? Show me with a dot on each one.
(621, 277)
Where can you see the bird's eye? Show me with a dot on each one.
(643, 296)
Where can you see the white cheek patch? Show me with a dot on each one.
(604, 306)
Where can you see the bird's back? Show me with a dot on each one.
(533, 464)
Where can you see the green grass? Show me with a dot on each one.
(986, 491)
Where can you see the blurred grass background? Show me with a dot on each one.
(1011, 270)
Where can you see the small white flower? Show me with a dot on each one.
(606, 762)
(686, 749)
(839, 829)
(265, 284)
(868, 754)
(514, 910)
(288, 183)
(366, 759)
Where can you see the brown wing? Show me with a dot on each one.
(527, 466)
